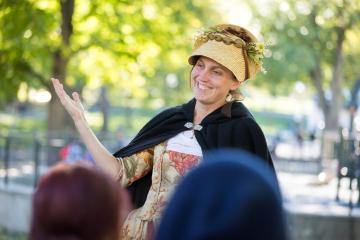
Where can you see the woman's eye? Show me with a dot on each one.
(200, 65)
(217, 72)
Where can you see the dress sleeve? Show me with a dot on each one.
(135, 166)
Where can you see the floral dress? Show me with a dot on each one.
(169, 161)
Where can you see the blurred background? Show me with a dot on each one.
(128, 60)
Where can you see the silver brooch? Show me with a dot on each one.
(197, 127)
(190, 125)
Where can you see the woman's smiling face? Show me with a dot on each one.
(211, 82)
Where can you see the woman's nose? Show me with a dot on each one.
(203, 75)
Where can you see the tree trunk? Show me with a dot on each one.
(332, 108)
(105, 109)
(58, 120)
(317, 79)
(57, 115)
(336, 83)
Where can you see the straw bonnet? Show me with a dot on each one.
(232, 46)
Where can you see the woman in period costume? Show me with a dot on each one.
(174, 141)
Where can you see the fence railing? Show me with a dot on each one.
(348, 156)
(24, 157)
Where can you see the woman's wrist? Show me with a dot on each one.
(81, 123)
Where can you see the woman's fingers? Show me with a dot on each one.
(60, 92)
(71, 103)
(59, 89)
(76, 97)
(57, 86)
(56, 83)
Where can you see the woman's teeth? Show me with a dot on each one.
(203, 87)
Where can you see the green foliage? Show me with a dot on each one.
(24, 31)
(131, 45)
(304, 33)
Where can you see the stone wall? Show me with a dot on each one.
(15, 208)
(15, 213)
(304, 226)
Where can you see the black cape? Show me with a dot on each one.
(230, 126)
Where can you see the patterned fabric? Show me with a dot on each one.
(168, 168)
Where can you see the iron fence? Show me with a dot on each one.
(24, 157)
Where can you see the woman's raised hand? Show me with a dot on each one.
(72, 105)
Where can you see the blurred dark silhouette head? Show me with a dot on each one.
(230, 195)
(76, 201)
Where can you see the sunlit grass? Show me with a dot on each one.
(271, 123)
(130, 122)
(130, 125)
(24, 123)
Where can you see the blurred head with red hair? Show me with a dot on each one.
(76, 201)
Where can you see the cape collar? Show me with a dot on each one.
(228, 110)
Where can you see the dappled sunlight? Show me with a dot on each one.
(13, 172)
(16, 172)
(294, 150)
(149, 11)
(282, 104)
(306, 193)
(2, 172)
(137, 52)
(27, 169)
(26, 93)
(39, 96)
